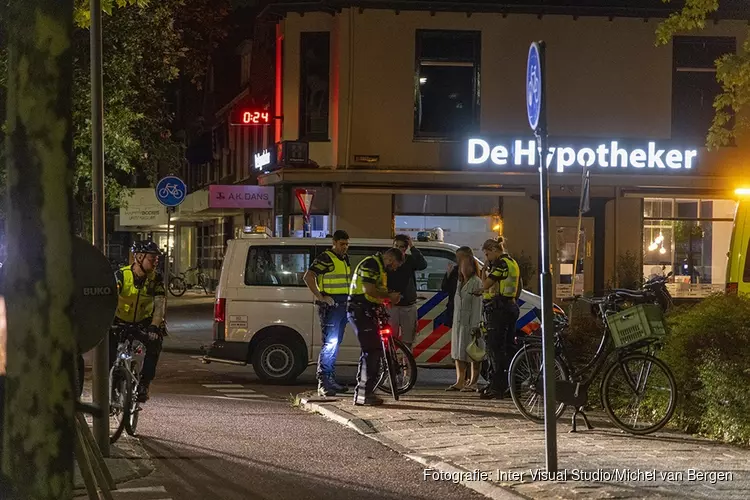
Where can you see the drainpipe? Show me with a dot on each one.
(350, 90)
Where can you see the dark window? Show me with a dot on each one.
(446, 95)
(269, 266)
(694, 85)
(746, 271)
(315, 51)
(439, 262)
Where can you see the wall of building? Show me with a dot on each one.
(625, 94)
(365, 215)
(521, 233)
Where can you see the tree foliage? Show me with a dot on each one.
(732, 72)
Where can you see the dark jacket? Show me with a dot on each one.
(403, 279)
(449, 285)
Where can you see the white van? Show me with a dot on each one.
(265, 315)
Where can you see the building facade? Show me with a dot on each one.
(416, 120)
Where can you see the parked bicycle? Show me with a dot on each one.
(124, 379)
(398, 363)
(194, 276)
(632, 334)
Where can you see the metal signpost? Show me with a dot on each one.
(535, 108)
(170, 191)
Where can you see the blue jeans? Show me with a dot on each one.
(332, 323)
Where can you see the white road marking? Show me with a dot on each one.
(239, 389)
(246, 396)
(143, 489)
(219, 386)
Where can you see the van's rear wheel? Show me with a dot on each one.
(277, 360)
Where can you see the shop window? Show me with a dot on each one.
(689, 238)
(461, 231)
(441, 204)
(694, 85)
(438, 264)
(315, 59)
(446, 93)
(269, 266)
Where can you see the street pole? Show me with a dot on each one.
(100, 374)
(166, 253)
(548, 348)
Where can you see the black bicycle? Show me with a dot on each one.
(398, 363)
(124, 380)
(632, 334)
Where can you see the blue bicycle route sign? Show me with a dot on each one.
(534, 86)
(171, 191)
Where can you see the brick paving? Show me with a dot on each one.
(465, 432)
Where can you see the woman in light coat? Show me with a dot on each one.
(466, 316)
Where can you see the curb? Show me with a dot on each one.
(141, 466)
(343, 417)
(183, 350)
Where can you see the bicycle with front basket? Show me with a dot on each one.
(632, 334)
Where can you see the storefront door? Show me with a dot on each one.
(562, 252)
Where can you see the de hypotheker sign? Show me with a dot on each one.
(601, 154)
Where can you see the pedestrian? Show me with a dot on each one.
(328, 278)
(467, 318)
(365, 309)
(403, 319)
(450, 282)
(500, 288)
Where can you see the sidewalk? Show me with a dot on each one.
(128, 459)
(454, 432)
(190, 298)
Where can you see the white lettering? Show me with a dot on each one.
(518, 152)
(601, 152)
(638, 158)
(525, 153)
(689, 155)
(654, 156)
(565, 158)
(582, 154)
(618, 153)
(674, 159)
(499, 155)
(473, 159)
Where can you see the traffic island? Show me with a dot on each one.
(489, 447)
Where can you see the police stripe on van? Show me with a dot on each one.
(433, 337)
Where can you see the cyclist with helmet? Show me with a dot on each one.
(141, 303)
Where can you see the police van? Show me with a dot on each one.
(265, 315)
(738, 268)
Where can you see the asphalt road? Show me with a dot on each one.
(215, 431)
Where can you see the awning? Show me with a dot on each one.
(195, 209)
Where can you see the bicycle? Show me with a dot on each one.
(124, 380)
(179, 284)
(616, 353)
(172, 189)
(401, 369)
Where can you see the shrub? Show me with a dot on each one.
(708, 350)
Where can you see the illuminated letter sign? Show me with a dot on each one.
(262, 159)
(523, 153)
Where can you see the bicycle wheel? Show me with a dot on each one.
(390, 362)
(625, 396)
(406, 370)
(525, 381)
(177, 286)
(131, 423)
(121, 398)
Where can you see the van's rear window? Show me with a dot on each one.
(746, 272)
(277, 266)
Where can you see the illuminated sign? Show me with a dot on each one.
(523, 153)
(244, 116)
(262, 159)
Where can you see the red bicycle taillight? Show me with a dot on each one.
(220, 314)
(386, 331)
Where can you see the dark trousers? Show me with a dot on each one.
(153, 347)
(500, 320)
(365, 323)
(332, 324)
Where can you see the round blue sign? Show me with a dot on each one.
(171, 191)
(534, 86)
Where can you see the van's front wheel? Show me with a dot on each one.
(278, 361)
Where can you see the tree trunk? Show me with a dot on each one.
(39, 412)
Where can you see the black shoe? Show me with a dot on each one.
(336, 386)
(324, 389)
(143, 393)
(490, 394)
(369, 400)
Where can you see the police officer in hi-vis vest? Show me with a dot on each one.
(502, 286)
(368, 290)
(328, 279)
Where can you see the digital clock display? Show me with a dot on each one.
(250, 117)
